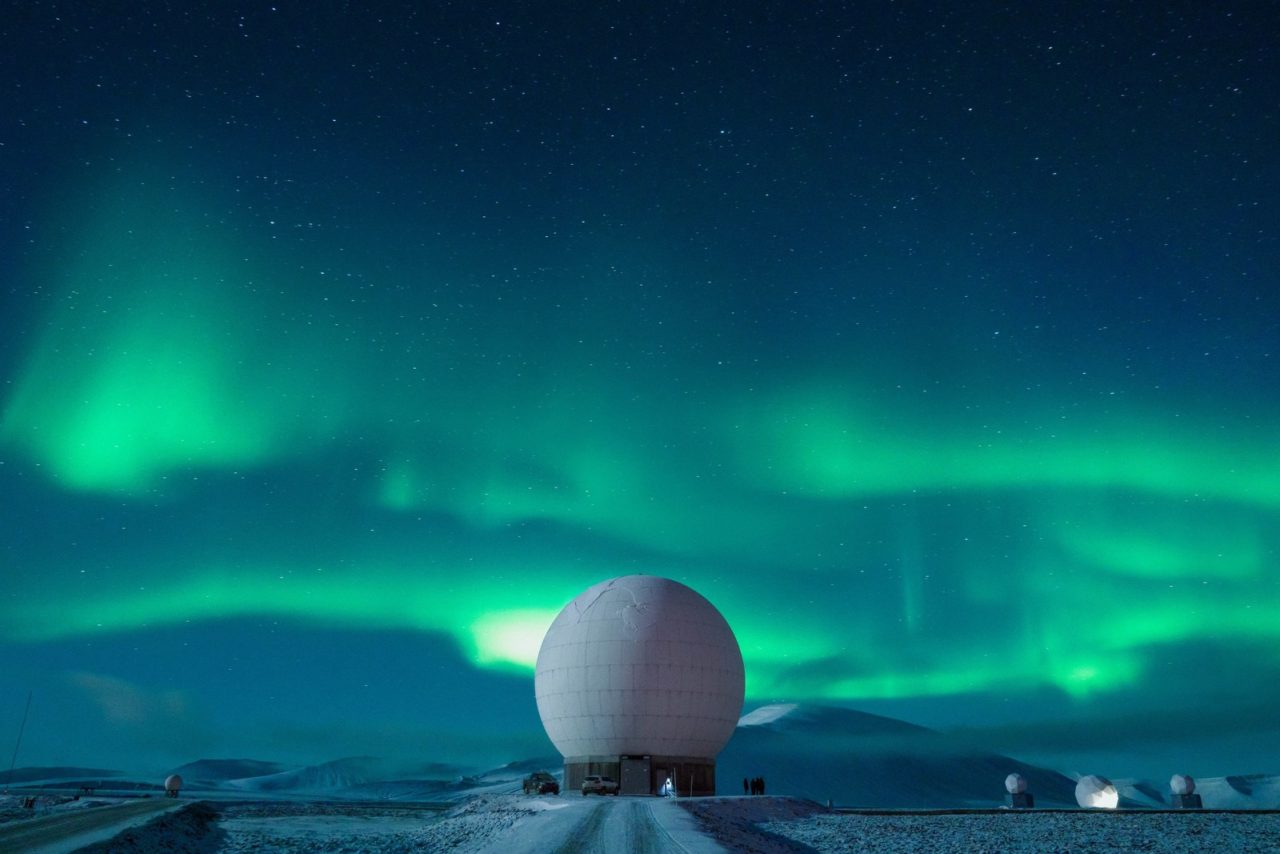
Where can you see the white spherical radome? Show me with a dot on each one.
(1094, 792)
(639, 665)
(1015, 784)
(172, 783)
(1182, 784)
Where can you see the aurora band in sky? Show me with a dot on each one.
(889, 526)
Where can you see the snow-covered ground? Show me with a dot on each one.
(1045, 831)
(790, 825)
(494, 824)
(300, 827)
(518, 824)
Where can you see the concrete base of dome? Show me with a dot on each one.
(1022, 800)
(644, 774)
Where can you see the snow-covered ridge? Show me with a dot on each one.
(227, 769)
(767, 714)
(822, 753)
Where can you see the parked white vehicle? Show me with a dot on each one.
(594, 784)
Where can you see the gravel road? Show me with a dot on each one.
(71, 830)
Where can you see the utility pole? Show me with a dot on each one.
(14, 760)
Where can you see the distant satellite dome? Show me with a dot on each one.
(1182, 784)
(1098, 793)
(172, 783)
(1015, 784)
(639, 666)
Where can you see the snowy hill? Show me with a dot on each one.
(862, 760)
(524, 767)
(365, 777)
(821, 753)
(326, 777)
(27, 775)
(1238, 792)
(1246, 792)
(217, 770)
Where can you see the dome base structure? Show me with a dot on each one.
(1022, 801)
(645, 775)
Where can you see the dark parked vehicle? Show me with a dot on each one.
(541, 783)
(597, 785)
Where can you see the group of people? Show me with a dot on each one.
(754, 786)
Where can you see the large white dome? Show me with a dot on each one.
(639, 665)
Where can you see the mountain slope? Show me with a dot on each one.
(26, 775)
(338, 774)
(218, 770)
(860, 760)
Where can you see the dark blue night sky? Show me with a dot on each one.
(344, 343)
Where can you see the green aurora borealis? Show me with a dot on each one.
(927, 423)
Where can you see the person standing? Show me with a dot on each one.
(746, 786)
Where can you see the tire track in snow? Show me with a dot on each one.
(620, 825)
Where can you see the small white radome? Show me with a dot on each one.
(1015, 784)
(1099, 793)
(1182, 784)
